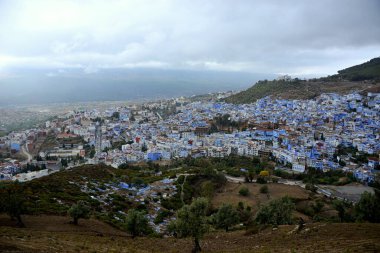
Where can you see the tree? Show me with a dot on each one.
(78, 211)
(276, 212)
(368, 207)
(64, 163)
(192, 221)
(12, 201)
(226, 217)
(116, 115)
(340, 208)
(137, 223)
(244, 191)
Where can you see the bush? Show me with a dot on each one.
(311, 187)
(261, 180)
(264, 173)
(264, 189)
(244, 191)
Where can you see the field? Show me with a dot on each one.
(55, 234)
(230, 194)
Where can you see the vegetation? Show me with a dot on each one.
(276, 212)
(300, 89)
(244, 191)
(367, 71)
(80, 210)
(12, 202)
(192, 221)
(368, 208)
(264, 189)
(226, 217)
(137, 223)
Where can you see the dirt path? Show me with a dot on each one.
(29, 157)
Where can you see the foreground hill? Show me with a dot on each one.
(345, 81)
(44, 235)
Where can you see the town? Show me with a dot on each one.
(330, 132)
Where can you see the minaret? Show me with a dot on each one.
(98, 138)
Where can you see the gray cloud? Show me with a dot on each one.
(296, 37)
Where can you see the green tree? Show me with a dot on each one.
(137, 223)
(116, 115)
(12, 201)
(276, 212)
(368, 207)
(192, 221)
(226, 217)
(80, 210)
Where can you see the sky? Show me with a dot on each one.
(296, 37)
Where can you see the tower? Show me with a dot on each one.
(98, 137)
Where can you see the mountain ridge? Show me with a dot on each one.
(359, 77)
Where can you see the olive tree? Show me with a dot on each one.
(191, 221)
(12, 201)
(80, 210)
(137, 223)
(276, 212)
(226, 217)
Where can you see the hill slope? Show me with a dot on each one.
(367, 71)
(345, 81)
(91, 236)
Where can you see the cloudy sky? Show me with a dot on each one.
(295, 37)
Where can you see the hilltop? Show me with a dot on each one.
(367, 71)
(359, 77)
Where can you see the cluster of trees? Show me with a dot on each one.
(192, 220)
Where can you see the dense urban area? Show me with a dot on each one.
(144, 168)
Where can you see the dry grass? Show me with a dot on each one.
(315, 237)
(230, 194)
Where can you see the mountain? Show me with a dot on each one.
(367, 71)
(359, 77)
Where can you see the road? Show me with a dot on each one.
(26, 153)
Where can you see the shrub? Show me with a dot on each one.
(261, 180)
(264, 189)
(264, 173)
(311, 187)
(244, 191)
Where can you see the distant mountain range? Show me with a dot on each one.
(359, 77)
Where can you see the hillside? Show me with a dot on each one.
(345, 81)
(43, 235)
(367, 71)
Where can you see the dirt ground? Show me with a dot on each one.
(53, 234)
(230, 194)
